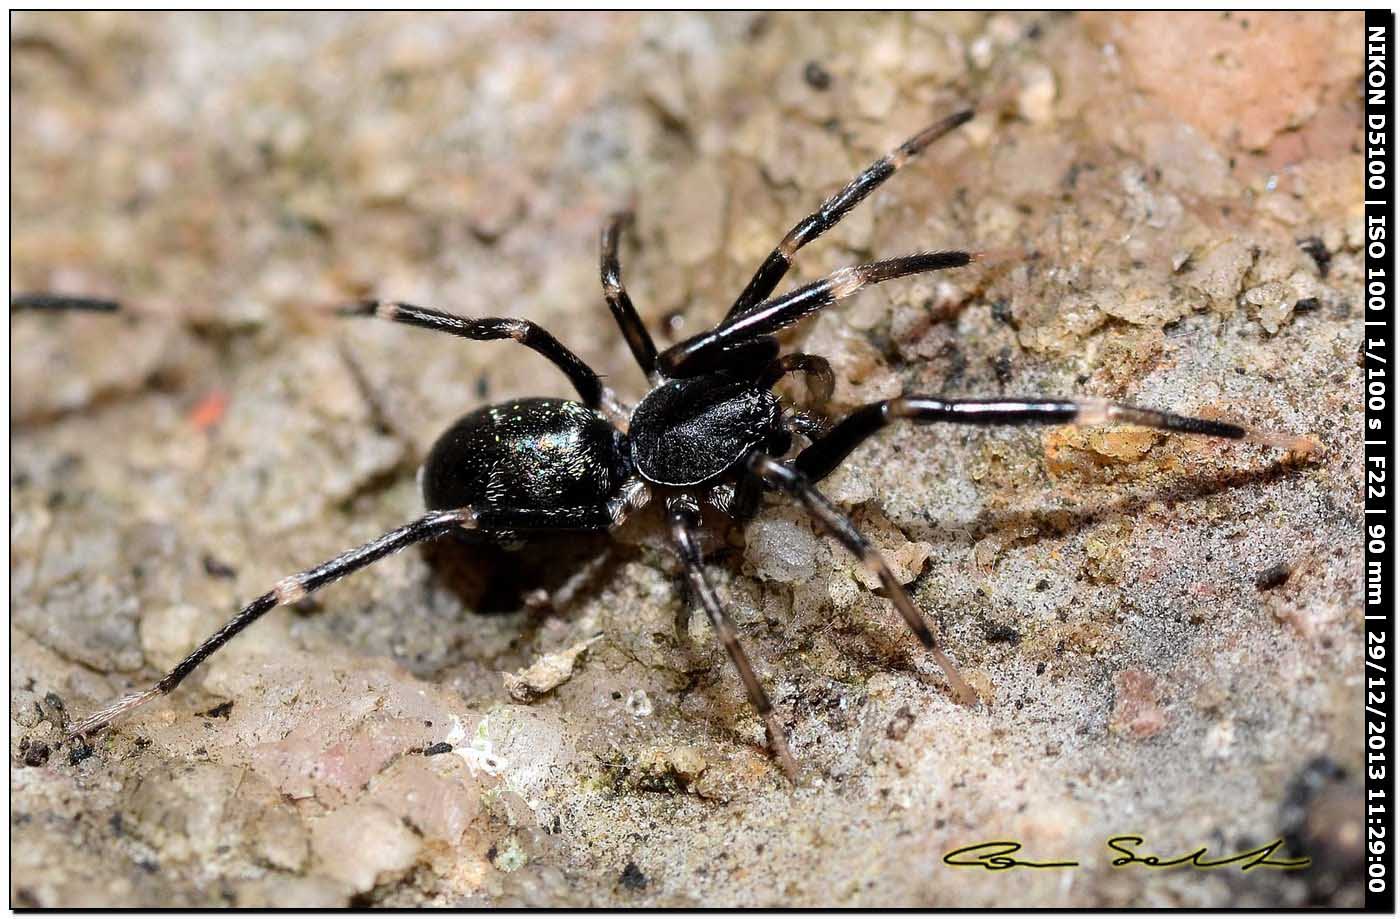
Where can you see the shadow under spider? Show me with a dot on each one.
(865, 646)
(1067, 521)
(491, 580)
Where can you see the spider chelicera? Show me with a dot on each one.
(711, 431)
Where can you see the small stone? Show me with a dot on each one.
(80, 751)
(1273, 576)
(363, 845)
(638, 703)
(688, 762)
(545, 674)
(1136, 711)
(1036, 100)
(900, 724)
(1274, 300)
(1219, 273)
(1096, 452)
(1103, 551)
(632, 877)
(37, 754)
(817, 76)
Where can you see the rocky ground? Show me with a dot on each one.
(1165, 631)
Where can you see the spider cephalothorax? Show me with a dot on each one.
(710, 431)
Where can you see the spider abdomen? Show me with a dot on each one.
(528, 455)
(691, 431)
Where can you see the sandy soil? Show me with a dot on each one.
(1165, 630)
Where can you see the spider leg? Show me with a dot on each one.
(62, 302)
(819, 459)
(288, 590)
(744, 357)
(766, 279)
(585, 379)
(638, 338)
(684, 518)
(293, 588)
(792, 481)
(683, 359)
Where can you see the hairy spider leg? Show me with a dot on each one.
(684, 518)
(824, 455)
(293, 588)
(61, 302)
(797, 485)
(288, 590)
(766, 279)
(691, 356)
(585, 379)
(638, 338)
(745, 357)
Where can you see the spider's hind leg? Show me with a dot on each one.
(492, 521)
(286, 591)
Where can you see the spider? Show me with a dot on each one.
(710, 431)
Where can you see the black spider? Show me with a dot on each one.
(710, 431)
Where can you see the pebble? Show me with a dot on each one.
(362, 845)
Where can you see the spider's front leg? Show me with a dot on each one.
(610, 269)
(766, 279)
(697, 354)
